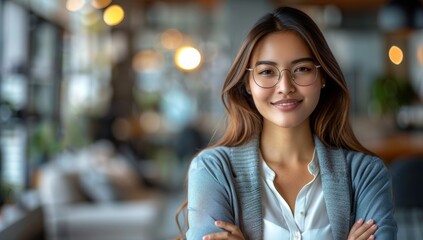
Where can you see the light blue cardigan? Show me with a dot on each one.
(224, 184)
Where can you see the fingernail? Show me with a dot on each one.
(374, 226)
(217, 223)
(205, 238)
(360, 220)
(370, 221)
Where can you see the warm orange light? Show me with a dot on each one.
(147, 61)
(99, 4)
(395, 55)
(113, 15)
(171, 38)
(420, 54)
(187, 58)
(150, 121)
(74, 5)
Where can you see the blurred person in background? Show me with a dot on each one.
(288, 165)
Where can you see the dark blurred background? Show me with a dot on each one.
(103, 103)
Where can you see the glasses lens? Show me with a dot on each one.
(266, 75)
(304, 74)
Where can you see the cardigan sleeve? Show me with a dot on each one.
(210, 196)
(373, 195)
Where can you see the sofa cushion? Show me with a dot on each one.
(125, 180)
(59, 186)
(97, 186)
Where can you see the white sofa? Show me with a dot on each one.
(97, 194)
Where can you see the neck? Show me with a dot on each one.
(287, 145)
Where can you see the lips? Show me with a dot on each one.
(287, 104)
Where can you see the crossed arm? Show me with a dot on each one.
(210, 206)
(360, 231)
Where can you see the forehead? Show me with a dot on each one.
(281, 48)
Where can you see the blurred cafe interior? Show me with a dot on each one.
(103, 103)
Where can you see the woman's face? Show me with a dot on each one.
(287, 104)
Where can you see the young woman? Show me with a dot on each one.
(288, 165)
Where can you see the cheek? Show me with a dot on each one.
(314, 90)
(314, 95)
(261, 95)
(258, 92)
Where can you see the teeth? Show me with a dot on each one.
(286, 104)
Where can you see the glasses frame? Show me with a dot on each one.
(280, 76)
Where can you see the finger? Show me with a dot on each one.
(365, 230)
(357, 225)
(217, 236)
(369, 232)
(227, 226)
(368, 229)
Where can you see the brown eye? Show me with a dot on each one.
(264, 70)
(303, 69)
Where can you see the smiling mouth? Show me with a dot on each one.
(287, 104)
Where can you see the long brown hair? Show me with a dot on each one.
(329, 121)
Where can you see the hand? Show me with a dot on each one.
(232, 232)
(363, 231)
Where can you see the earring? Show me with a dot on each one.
(324, 85)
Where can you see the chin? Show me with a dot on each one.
(289, 123)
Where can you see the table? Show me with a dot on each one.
(383, 138)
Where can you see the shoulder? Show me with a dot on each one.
(213, 162)
(235, 160)
(359, 159)
(340, 162)
(211, 157)
(366, 167)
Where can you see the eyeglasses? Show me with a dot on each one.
(267, 75)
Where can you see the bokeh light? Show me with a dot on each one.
(147, 61)
(171, 38)
(420, 54)
(187, 58)
(99, 4)
(74, 5)
(395, 55)
(113, 15)
(150, 121)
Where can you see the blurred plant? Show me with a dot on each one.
(6, 193)
(43, 143)
(389, 93)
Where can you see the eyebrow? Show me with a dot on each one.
(305, 59)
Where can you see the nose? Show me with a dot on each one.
(285, 84)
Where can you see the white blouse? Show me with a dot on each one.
(310, 219)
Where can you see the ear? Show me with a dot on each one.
(323, 83)
(247, 88)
